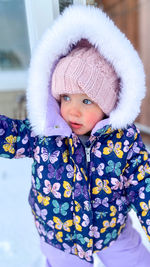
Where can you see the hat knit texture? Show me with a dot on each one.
(85, 71)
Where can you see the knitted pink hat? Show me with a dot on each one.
(85, 71)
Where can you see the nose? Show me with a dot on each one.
(75, 111)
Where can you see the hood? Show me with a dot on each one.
(76, 23)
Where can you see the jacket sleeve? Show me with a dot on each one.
(16, 138)
(137, 181)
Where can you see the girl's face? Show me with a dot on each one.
(80, 112)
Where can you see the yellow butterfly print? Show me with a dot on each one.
(111, 147)
(142, 170)
(76, 220)
(68, 188)
(119, 134)
(90, 243)
(59, 236)
(65, 156)
(10, 142)
(145, 155)
(66, 142)
(145, 208)
(59, 224)
(135, 136)
(127, 165)
(121, 227)
(84, 174)
(77, 206)
(71, 144)
(109, 130)
(44, 200)
(74, 249)
(101, 185)
(75, 173)
(74, 169)
(108, 224)
(113, 211)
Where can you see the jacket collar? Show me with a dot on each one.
(58, 126)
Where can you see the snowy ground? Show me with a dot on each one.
(19, 241)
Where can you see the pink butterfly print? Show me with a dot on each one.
(84, 254)
(36, 154)
(100, 169)
(33, 186)
(75, 140)
(53, 189)
(87, 205)
(126, 146)
(67, 248)
(134, 149)
(47, 156)
(54, 156)
(130, 181)
(33, 181)
(41, 213)
(50, 235)
(59, 141)
(116, 183)
(121, 219)
(19, 153)
(78, 176)
(141, 192)
(40, 228)
(98, 244)
(97, 202)
(14, 129)
(50, 223)
(39, 171)
(120, 202)
(96, 150)
(130, 132)
(70, 171)
(86, 221)
(25, 140)
(94, 232)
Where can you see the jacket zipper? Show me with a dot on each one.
(87, 152)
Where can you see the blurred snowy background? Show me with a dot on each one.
(19, 240)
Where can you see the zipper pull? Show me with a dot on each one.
(87, 151)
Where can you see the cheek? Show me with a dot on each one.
(63, 111)
(93, 118)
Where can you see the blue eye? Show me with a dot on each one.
(66, 97)
(87, 101)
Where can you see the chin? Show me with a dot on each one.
(79, 132)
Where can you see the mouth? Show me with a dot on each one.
(75, 125)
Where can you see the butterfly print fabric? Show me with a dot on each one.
(78, 207)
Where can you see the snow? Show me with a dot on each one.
(19, 240)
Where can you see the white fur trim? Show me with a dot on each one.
(91, 23)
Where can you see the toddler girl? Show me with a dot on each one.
(90, 166)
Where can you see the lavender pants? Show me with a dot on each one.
(127, 251)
